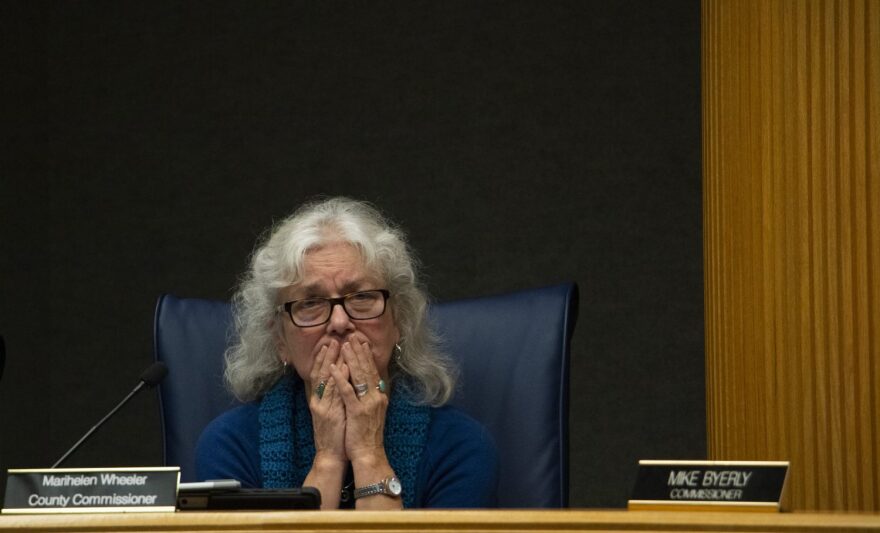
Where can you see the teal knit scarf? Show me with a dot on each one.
(287, 446)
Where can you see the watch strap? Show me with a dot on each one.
(376, 488)
(369, 490)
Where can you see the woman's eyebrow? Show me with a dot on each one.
(307, 291)
(354, 286)
(318, 289)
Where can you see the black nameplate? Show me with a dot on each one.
(710, 485)
(75, 490)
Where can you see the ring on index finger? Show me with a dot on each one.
(361, 389)
(319, 390)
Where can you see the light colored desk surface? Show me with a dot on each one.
(435, 521)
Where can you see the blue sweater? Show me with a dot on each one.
(458, 468)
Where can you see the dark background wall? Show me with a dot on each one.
(147, 144)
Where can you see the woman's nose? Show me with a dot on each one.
(340, 322)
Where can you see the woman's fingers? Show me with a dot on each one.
(341, 377)
(358, 355)
(314, 374)
(320, 373)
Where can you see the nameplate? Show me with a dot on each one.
(710, 485)
(75, 490)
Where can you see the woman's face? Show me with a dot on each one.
(332, 271)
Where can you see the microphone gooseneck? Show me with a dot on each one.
(150, 377)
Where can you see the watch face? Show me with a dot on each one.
(394, 486)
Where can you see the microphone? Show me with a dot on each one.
(150, 377)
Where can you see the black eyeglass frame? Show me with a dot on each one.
(340, 301)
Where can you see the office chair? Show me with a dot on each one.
(512, 349)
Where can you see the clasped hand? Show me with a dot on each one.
(348, 410)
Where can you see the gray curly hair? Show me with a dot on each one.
(252, 363)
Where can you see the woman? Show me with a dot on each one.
(344, 384)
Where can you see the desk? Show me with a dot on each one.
(422, 521)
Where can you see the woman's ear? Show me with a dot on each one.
(397, 335)
(280, 342)
(281, 357)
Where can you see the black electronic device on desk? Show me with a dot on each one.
(228, 494)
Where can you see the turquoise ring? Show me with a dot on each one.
(382, 386)
(319, 390)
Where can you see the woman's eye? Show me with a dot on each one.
(308, 304)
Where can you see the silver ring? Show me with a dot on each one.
(361, 389)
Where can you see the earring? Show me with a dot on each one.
(398, 351)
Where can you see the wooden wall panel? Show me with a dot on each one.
(791, 185)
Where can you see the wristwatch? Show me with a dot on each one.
(390, 486)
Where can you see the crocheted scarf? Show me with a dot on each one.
(287, 446)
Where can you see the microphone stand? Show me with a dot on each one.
(89, 433)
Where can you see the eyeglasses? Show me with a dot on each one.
(361, 305)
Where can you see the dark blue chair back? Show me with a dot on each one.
(512, 349)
